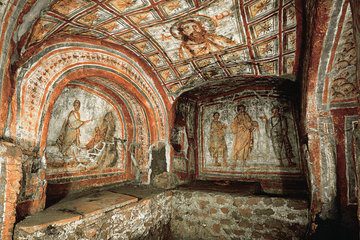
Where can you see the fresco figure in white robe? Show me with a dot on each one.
(69, 138)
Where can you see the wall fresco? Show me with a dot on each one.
(183, 139)
(344, 85)
(352, 156)
(328, 165)
(329, 98)
(248, 135)
(85, 133)
(32, 79)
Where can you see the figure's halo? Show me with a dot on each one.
(208, 23)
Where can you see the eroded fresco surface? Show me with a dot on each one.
(85, 133)
(251, 135)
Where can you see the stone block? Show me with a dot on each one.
(11, 174)
(186, 215)
(166, 180)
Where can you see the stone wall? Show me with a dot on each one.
(32, 195)
(204, 215)
(184, 214)
(146, 219)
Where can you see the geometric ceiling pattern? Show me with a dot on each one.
(184, 41)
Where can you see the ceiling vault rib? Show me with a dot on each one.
(184, 42)
(280, 36)
(248, 37)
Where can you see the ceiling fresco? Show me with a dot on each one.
(184, 41)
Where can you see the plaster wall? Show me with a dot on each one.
(355, 8)
(183, 140)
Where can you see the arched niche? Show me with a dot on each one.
(90, 131)
(91, 139)
(241, 130)
(106, 73)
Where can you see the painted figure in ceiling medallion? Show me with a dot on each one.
(198, 38)
(217, 143)
(277, 130)
(242, 127)
(69, 138)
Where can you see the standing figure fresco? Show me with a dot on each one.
(217, 143)
(356, 141)
(277, 130)
(355, 145)
(69, 138)
(196, 39)
(242, 128)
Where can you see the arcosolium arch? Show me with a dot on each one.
(111, 73)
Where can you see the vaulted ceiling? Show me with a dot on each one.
(184, 41)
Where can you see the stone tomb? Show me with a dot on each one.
(185, 213)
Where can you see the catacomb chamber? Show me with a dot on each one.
(232, 106)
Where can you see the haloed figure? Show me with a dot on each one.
(242, 128)
(196, 40)
(217, 143)
(69, 138)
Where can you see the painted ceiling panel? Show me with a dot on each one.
(69, 8)
(185, 41)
